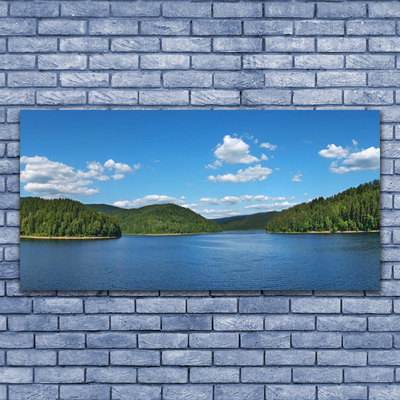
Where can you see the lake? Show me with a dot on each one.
(251, 260)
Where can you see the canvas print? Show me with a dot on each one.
(200, 200)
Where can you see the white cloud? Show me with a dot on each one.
(215, 165)
(52, 179)
(297, 177)
(118, 167)
(355, 143)
(118, 177)
(96, 171)
(250, 174)
(274, 206)
(368, 159)
(209, 200)
(212, 213)
(268, 146)
(230, 200)
(233, 151)
(148, 200)
(333, 151)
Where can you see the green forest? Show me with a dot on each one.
(159, 219)
(64, 218)
(355, 209)
(252, 222)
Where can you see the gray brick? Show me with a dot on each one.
(341, 323)
(31, 357)
(384, 357)
(266, 96)
(386, 323)
(84, 323)
(285, 45)
(325, 306)
(87, 45)
(61, 27)
(111, 375)
(111, 340)
(135, 322)
(266, 375)
(15, 306)
(162, 375)
(60, 340)
(187, 392)
(342, 78)
(367, 306)
(382, 10)
(165, 28)
(11, 254)
(32, 322)
(164, 61)
(346, 10)
(319, 61)
(212, 305)
(16, 375)
(238, 357)
(92, 9)
(368, 374)
(163, 340)
(237, 10)
(290, 392)
(242, 323)
(312, 97)
(335, 392)
(237, 45)
(215, 62)
(365, 27)
(290, 357)
(39, 392)
(317, 375)
(59, 375)
(114, 61)
(289, 79)
(186, 79)
(342, 358)
(194, 45)
(17, 61)
(117, 97)
(61, 97)
(135, 357)
(267, 61)
(288, 10)
(136, 392)
(368, 97)
(34, 79)
(113, 305)
(384, 44)
(263, 305)
(83, 357)
(369, 61)
(269, 27)
(318, 27)
(214, 375)
(183, 9)
(113, 27)
(36, 9)
(135, 44)
(186, 357)
(178, 97)
(239, 392)
(17, 26)
(382, 392)
(214, 340)
(61, 61)
(83, 79)
(321, 340)
(215, 97)
(187, 323)
(217, 27)
(341, 45)
(93, 391)
(135, 9)
(32, 45)
(367, 340)
(265, 340)
(289, 323)
(16, 340)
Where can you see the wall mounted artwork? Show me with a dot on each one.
(200, 200)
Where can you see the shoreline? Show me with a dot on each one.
(69, 237)
(168, 234)
(322, 232)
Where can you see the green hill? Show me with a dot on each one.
(355, 209)
(64, 218)
(251, 222)
(159, 219)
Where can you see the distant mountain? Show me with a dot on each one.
(158, 219)
(355, 209)
(64, 218)
(250, 222)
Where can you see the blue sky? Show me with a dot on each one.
(218, 163)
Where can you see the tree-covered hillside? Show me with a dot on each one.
(251, 222)
(355, 209)
(160, 219)
(64, 218)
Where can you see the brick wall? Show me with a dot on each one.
(199, 345)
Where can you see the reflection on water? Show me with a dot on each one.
(225, 261)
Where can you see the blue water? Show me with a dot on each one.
(225, 261)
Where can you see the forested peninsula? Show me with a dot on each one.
(64, 218)
(355, 209)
